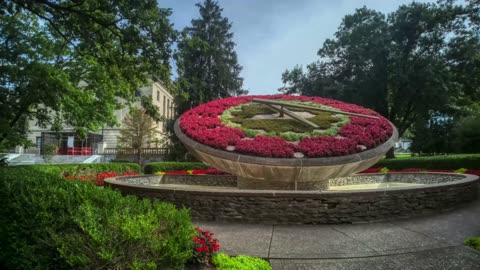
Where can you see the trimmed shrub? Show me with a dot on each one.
(49, 223)
(473, 242)
(446, 162)
(154, 167)
(225, 262)
(91, 169)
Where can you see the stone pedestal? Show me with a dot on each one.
(266, 173)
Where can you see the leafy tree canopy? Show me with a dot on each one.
(138, 131)
(418, 62)
(74, 62)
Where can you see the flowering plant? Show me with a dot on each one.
(204, 246)
(127, 173)
(86, 178)
(99, 178)
(204, 124)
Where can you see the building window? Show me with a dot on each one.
(38, 142)
(168, 108)
(158, 95)
(164, 103)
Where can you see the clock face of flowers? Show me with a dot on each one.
(238, 124)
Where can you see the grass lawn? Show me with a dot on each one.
(403, 155)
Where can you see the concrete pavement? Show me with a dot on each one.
(431, 242)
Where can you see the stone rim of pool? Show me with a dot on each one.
(309, 207)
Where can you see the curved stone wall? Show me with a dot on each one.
(312, 207)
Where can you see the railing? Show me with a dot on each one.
(32, 150)
(133, 151)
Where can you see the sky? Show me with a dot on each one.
(275, 35)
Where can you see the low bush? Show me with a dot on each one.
(446, 162)
(225, 262)
(49, 223)
(154, 167)
(91, 169)
(473, 242)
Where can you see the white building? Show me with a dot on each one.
(98, 141)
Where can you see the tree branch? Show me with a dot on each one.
(70, 9)
(52, 24)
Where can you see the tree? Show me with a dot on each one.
(206, 59)
(433, 135)
(407, 65)
(138, 131)
(467, 134)
(74, 62)
(207, 66)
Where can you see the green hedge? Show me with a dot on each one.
(154, 167)
(446, 162)
(83, 169)
(49, 223)
(473, 242)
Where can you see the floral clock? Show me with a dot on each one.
(283, 141)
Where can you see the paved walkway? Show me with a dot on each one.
(432, 242)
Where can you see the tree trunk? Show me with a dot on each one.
(139, 157)
(390, 153)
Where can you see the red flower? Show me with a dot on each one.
(476, 172)
(177, 172)
(129, 173)
(266, 147)
(328, 146)
(101, 177)
(371, 170)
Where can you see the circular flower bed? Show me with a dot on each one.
(210, 124)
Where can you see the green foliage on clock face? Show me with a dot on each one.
(242, 117)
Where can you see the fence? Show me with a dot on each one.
(133, 151)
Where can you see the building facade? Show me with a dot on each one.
(106, 138)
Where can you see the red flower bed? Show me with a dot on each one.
(214, 171)
(328, 146)
(266, 147)
(371, 170)
(203, 125)
(99, 178)
(210, 171)
(475, 172)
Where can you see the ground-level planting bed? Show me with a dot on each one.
(217, 198)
